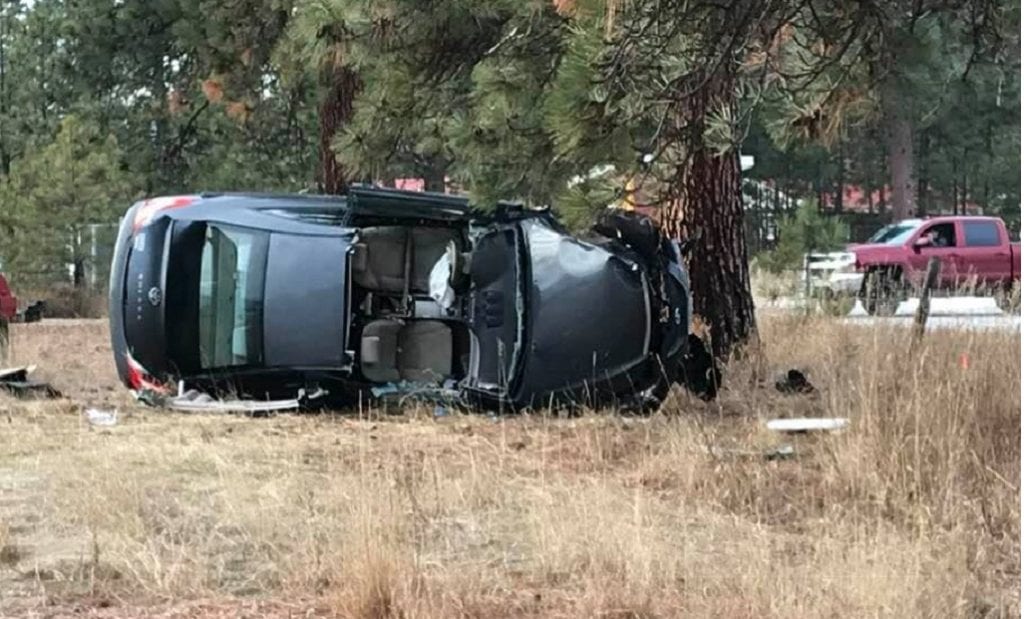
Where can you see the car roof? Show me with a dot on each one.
(917, 221)
(262, 199)
(357, 193)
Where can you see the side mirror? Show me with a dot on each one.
(922, 241)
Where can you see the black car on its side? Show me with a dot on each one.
(385, 291)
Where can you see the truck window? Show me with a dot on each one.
(942, 235)
(894, 234)
(981, 234)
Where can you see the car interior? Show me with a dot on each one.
(404, 334)
(941, 235)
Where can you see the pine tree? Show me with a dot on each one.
(655, 87)
(57, 191)
(892, 63)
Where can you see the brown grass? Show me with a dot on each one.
(912, 512)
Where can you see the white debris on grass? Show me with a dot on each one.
(808, 424)
(97, 417)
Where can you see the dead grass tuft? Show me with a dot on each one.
(914, 511)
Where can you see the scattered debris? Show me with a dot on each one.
(101, 418)
(195, 401)
(17, 382)
(794, 382)
(33, 313)
(780, 452)
(808, 424)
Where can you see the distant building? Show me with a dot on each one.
(857, 200)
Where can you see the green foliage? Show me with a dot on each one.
(55, 192)
(510, 99)
(806, 230)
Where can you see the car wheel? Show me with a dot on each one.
(881, 292)
(638, 231)
(699, 371)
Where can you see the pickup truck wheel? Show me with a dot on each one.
(882, 291)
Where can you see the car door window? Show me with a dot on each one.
(981, 234)
(231, 297)
(942, 235)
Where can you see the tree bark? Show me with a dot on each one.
(434, 180)
(706, 198)
(900, 144)
(922, 181)
(342, 85)
(840, 178)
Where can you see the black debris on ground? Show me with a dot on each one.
(794, 382)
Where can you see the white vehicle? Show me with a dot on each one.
(831, 274)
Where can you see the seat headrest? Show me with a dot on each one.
(360, 257)
(370, 352)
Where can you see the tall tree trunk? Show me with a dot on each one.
(956, 195)
(963, 194)
(706, 198)
(900, 144)
(335, 111)
(922, 182)
(5, 156)
(841, 160)
(433, 180)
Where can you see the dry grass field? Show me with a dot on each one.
(913, 511)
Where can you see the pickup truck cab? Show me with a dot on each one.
(974, 252)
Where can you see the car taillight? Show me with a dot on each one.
(139, 379)
(149, 209)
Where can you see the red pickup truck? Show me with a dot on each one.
(973, 252)
(8, 302)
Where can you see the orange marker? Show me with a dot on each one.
(965, 361)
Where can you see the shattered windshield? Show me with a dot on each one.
(232, 271)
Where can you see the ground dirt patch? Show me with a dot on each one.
(912, 512)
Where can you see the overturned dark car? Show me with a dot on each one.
(382, 293)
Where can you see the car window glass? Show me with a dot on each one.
(895, 234)
(981, 234)
(942, 235)
(230, 298)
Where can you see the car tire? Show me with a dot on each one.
(882, 291)
(634, 229)
(699, 371)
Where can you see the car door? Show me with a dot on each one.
(985, 253)
(587, 314)
(944, 245)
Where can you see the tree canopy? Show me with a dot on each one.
(916, 104)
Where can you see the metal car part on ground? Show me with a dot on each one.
(16, 381)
